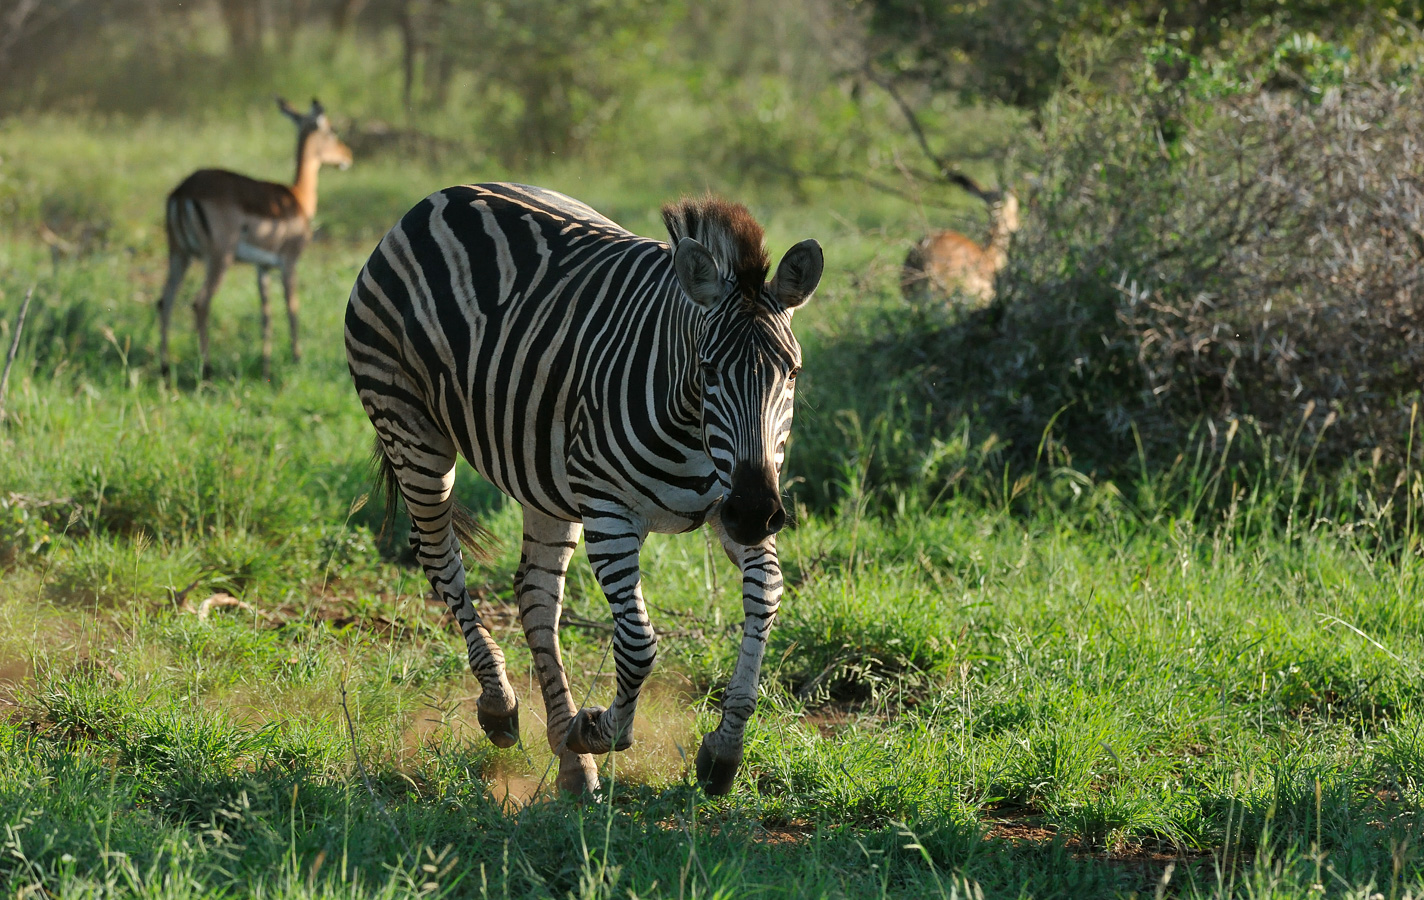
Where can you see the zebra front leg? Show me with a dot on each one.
(613, 545)
(539, 585)
(424, 464)
(721, 752)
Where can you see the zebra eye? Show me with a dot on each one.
(709, 375)
(794, 372)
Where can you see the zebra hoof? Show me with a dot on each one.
(585, 736)
(578, 775)
(583, 732)
(503, 731)
(716, 773)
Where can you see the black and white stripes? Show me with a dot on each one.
(613, 385)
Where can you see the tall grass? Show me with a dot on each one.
(989, 676)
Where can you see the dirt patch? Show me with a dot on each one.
(513, 790)
(665, 738)
(1149, 862)
(795, 831)
(15, 672)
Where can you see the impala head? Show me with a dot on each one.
(747, 358)
(1003, 210)
(314, 134)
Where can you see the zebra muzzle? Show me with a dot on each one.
(752, 515)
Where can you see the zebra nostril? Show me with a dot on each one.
(777, 520)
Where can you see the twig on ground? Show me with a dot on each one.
(569, 620)
(221, 601)
(14, 348)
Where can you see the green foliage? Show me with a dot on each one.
(1019, 655)
(550, 72)
(1012, 51)
(1157, 328)
(24, 530)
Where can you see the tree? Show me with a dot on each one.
(1008, 50)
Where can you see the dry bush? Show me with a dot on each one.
(1211, 247)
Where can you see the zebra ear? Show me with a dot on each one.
(697, 273)
(798, 274)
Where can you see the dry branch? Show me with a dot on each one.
(14, 348)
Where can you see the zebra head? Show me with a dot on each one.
(746, 355)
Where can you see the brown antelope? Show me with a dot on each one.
(944, 262)
(220, 216)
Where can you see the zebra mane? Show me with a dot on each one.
(729, 233)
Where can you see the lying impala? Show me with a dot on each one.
(220, 216)
(946, 261)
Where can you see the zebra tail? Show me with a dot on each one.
(383, 472)
(476, 538)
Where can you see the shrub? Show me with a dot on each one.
(1237, 243)
(23, 530)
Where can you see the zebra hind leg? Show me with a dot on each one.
(614, 543)
(424, 470)
(539, 585)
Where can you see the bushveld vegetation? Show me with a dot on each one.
(1113, 587)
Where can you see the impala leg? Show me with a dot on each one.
(613, 546)
(289, 291)
(539, 584)
(178, 263)
(721, 752)
(266, 322)
(217, 267)
(424, 463)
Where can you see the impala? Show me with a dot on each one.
(944, 262)
(222, 217)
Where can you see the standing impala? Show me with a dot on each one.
(220, 216)
(946, 261)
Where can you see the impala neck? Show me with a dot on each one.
(1000, 231)
(998, 246)
(308, 166)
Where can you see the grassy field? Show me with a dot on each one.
(1073, 690)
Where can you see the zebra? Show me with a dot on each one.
(613, 385)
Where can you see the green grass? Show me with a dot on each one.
(1065, 693)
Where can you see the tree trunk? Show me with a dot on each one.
(344, 15)
(244, 20)
(410, 48)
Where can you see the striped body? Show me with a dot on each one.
(512, 341)
(568, 361)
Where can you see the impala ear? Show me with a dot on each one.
(798, 274)
(288, 110)
(697, 273)
(317, 109)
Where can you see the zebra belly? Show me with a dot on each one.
(566, 497)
